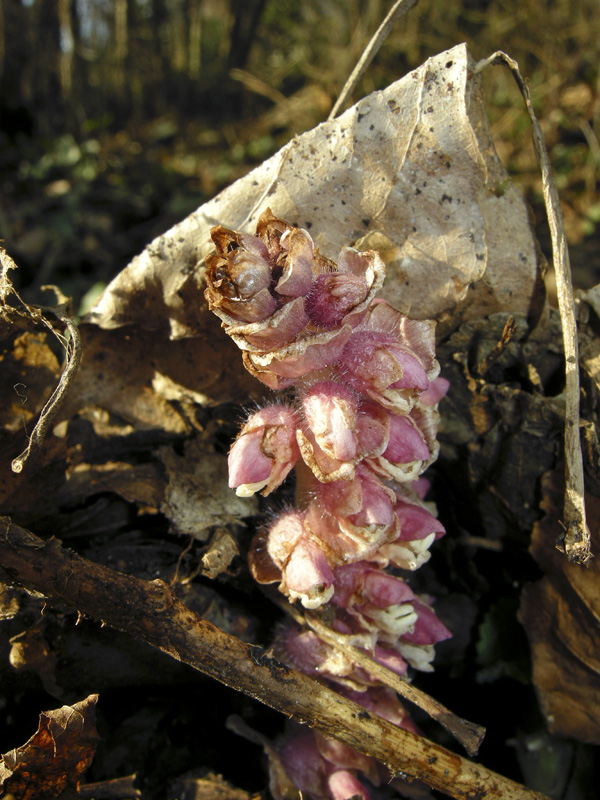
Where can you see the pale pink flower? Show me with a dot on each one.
(417, 647)
(416, 529)
(290, 554)
(331, 411)
(265, 450)
(390, 357)
(437, 391)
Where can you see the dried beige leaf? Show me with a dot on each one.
(410, 170)
(560, 614)
(197, 497)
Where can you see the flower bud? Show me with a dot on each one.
(329, 441)
(305, 571)
(390, 358)
(428, 629)
(289, 308)
(264, 451)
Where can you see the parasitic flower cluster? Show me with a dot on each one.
(359, 434)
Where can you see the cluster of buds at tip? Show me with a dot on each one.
(359, 434)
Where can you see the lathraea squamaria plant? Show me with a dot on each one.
(359, 434)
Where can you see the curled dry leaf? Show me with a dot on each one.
(561, 614)
(197, 497)
(51, 763)
(410, 171)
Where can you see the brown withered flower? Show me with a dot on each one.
(288, 307)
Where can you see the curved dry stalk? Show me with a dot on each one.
(56, 399)
(149, 611)
(72, 348)
(576, 542)
(399, 9)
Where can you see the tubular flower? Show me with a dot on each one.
(360, 433)
(390, 357)
(289, 554)
(265, 450)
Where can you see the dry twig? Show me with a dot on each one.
(576, 542)
(399, 9)
(72, 347)
(149, 611)
(467, 733)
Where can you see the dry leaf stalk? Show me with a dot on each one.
(576, 542)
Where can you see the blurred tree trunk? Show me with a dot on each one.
(44, 84)
(1, 38)
(195, 39)
(121, 44)
(67, 49)
(246, 16)
(177, 39)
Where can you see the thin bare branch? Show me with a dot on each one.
(56, 399)
(149, 611)
(72, 346)
(576, 542)
(399, 9)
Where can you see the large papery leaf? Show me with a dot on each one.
(410, 171)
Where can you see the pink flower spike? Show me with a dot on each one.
(265, 451)
(436, 391)
(330, 410)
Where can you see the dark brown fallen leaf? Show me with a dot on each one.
(50, 765)
(561, 614)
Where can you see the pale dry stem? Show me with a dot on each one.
(576, 540)
(399, 9)
(72, 347)
(467, 733)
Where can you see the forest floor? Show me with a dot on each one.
(73, 213)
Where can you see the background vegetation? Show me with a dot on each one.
(119, 117)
